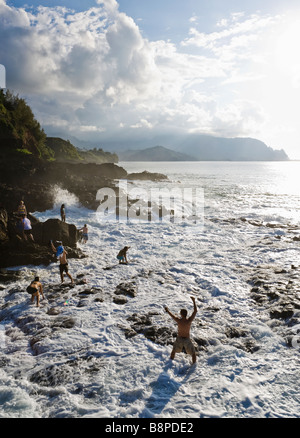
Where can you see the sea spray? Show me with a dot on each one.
(81, 354)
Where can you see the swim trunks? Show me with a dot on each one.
(184, 342)
(31, 290)
(63, 268)
(85, 236)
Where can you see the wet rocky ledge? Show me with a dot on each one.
(275, 291)
(16, 251)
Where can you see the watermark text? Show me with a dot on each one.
(137, 204)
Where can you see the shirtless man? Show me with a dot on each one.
(122, 256)
(35, 289)
(85, 231)
(183, 336)
(61, 254)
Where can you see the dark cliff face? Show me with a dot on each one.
(30, 179)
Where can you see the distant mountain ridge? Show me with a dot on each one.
(207, 148)
(156, 153)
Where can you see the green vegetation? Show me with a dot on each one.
(98, 156)
(21, 135)
(65, 151)
(20, 132)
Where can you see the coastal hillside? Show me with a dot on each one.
(65, 151)
(156, 153)
(21, 135)
(32, 164)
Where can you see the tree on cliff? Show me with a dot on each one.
(20, 132)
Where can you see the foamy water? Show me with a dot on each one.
(210, 259)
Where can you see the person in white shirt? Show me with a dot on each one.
(26, 227)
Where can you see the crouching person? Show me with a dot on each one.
(35, 289)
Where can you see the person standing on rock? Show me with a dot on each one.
(183, 339)
(63, 213)
(61, 254)
(22, 209)
(26, 227)
(35, 289)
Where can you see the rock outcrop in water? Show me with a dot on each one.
(16, 251)
(32, 180)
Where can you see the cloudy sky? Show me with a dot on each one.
(105, 69)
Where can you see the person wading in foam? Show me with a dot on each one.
(35, 289)
(183, 339)
(61, 254)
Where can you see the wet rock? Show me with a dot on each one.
(7, 276)
(68, 372)
(147, 176)
(53, 311)
(233, 332)
(129, 289)
(56, 230)
(90, 291)
(120, 300)
(201, 343)
(64, 322)
(275, 289)
(143, 324)
(281, 313)
(16, 251)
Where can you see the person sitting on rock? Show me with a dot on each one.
(26, 227)
(61, 254)
(122, 256)
(183, 339)
(35, 289)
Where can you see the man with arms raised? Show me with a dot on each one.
(183, 336)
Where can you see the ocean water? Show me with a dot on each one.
(92, 370)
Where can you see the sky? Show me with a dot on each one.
(108, 70)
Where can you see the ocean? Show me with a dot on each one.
(240, 220)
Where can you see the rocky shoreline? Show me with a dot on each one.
(32, 181)
(273, 289)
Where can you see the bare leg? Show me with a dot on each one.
(70, 277)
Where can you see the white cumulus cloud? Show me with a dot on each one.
(92, 74)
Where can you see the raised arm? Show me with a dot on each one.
(171, 314)
(52, 246)
(195, 309)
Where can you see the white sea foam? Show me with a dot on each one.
(169, 262)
